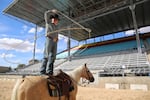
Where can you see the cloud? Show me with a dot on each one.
(24, 29)
(15, 44)
(6, 55)
(32, 30)
(129, 32)
(4, 35)
(141, 30)
(145, 29)
(39, 50)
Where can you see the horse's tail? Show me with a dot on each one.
(14, 92)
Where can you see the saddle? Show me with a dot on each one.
(59, 85)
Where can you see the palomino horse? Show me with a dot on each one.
(35, 87)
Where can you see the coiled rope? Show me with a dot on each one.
(60, 30)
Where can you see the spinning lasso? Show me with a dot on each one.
(63, 29)
(56, 31)
(81, 27)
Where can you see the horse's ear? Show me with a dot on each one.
(85, 64)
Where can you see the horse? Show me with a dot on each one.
(35, 87)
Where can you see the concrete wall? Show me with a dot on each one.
(124, 82)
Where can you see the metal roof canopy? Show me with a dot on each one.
(101, 16)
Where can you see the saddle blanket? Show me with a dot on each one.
(60, 84)
(55, 92)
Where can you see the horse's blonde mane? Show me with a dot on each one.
(75, 74)
(14, 93)
(78, 68)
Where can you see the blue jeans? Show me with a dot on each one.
(49, 56)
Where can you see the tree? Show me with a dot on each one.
(21, 66)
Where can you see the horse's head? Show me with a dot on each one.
(87, 74)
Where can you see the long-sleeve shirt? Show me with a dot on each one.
(49, 28)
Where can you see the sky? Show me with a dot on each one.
(17, 40)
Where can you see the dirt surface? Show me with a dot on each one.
(6, 86)
(85, 93)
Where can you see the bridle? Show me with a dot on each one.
(87, 79)
(84, 80)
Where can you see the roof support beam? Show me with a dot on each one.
(92, 1)
(132, 8)
(98, 13)
(79, 1)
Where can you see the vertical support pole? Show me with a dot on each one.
(94, 40)
(69, 57)
(78, 43)
(103, 39)
(85, 42)
(35, 37)
(132, 8)
(113, 36)
(69, 35)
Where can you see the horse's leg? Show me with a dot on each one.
(74, 92)
(72, 97)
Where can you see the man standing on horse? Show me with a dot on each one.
(50, 49)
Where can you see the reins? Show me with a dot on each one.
(83, 79)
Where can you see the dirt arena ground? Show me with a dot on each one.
(84, 93)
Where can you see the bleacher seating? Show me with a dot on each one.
(108, 58)
(109, 48)
(130, 60)
(35, 68)
(65, 54)
(128, 45)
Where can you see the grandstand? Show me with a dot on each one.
(106, 58)
(111, 58)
